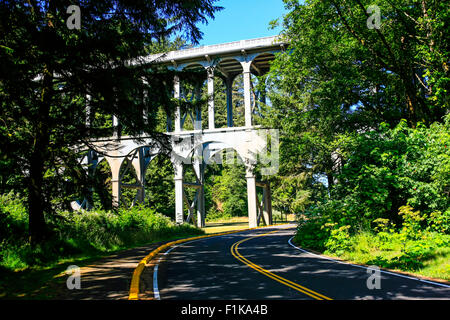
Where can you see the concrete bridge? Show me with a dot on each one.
(199, 146)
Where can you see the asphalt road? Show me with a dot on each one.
(262, 264)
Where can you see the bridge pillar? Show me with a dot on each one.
(211, 120)
(176, 93)
(229, 88)
(115, 164)
(247, 93)
(267, 209)
(179, 210)
(91, 171)
(251, 199)
(116, 127)
(139, 167)
(199, 169)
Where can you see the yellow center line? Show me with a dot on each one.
(286, 282)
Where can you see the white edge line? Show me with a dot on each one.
(156, 293)
(363, 267)
(155, 270)
(155, 283)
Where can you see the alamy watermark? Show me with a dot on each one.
(74, 279)
(74, 20)
(374, 280)
(374, 21)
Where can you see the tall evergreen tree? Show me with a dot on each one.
(50, 72)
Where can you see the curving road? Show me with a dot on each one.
(264, 264)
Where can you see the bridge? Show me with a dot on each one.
(199, 146)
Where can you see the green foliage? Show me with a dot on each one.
(160, 187)
(48, 79)
(76, 233)
(414, 247)
(339, 240)
(388, 168)
(229, 192)
(440, 222)
(13, 216)
(427, 256)
(311, 232)
(290, 194)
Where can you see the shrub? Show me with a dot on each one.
(388, 168)
(13, 217)
(310, 232)
(84, 232)
(339, 240)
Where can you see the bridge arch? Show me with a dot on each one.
(245, 59)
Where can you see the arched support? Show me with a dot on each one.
(115, 164)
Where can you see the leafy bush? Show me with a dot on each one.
(311, 234)
(13, 217)
(389, 168)
(82, 232)
(339, 240)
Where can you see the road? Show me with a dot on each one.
(263, 264)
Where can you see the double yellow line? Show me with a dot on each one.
(286, 282)
(135, 279)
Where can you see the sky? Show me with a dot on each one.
(242, 19)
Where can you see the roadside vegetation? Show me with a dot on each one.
(80, 234)
(390, 205)
(364, 119)
(362, 112)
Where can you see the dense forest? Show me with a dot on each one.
(362, 111)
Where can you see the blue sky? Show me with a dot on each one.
(242, 19)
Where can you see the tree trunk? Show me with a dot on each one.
(38, 155)
(36, 204)
(411, 101)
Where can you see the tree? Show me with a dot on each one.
(49, 73)
(340, 77)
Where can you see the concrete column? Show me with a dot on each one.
(179, 201)
(179, 210)
(267, 209)
(198, 110)
(176, 95)
(116, 127)
(88, 111)
(247, 93)
(199, 170)
(263, 93)
(139, 167)
(251, 199)
(210, 72)
(90, 171)
(115, 164)
(201, 207)
(229, 86)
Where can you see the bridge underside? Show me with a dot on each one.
(196, 148)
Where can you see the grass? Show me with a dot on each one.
(43, 282)
(366, 249)
(240, 223)
(224, 225)
(75, 238)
